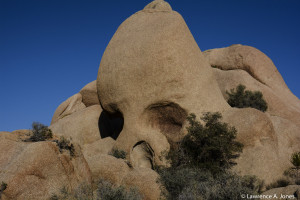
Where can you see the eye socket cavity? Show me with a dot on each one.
(169, 117)
(110, 124)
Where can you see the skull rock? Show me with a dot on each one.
(152, 74)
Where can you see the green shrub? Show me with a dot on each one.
(82, 192)
(295, 160)
(3, 187)
(65, 144)
(225, 186)
(175, 180)
(104, 190)
(107, 191)
(118, 153)
(211, 146)
(40, 132)
(282, 182)
(200, 164)
(195, 184)
(254, 183)
(242, 98)
(293, 173)
(290, 173)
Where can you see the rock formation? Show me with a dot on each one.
(151, 76)
(288, 192)
(271, 150)
(239, 64)
(37, 170)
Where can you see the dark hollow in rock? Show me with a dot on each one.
(110, 125)
(168, 117)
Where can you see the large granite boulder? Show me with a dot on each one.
(38, 170)
(239, 64)
(81, 126)
(89, 94)
(288, 192)
(275, 134)
(153, 74)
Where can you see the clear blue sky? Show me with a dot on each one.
(49, 49)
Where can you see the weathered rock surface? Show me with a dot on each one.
(288, 192)
(89, 94)
(145, 180)
(158, 5)
(153, 73)
(71, 105)
(118, 172)
(110, 168)
(95, 154)
(38, 170)
(101, 146)
(246, 65)
(86, 97)
(260, 155)
(270, 137)
(151, 76)
(249, 59)
(288, 135)
(81, 126)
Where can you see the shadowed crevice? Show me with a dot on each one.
(110, 125)
(169, 117)
(142, 155)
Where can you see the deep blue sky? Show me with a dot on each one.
(49, 49)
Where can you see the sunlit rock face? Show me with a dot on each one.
(38, 170)
(240, 64)
(153, 74)
(271, 137)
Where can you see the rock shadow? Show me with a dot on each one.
(110, 125)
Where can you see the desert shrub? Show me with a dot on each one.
(82, 192)
(242, 98)
(65, 144)
(200, 163)
(295, 160)
(293, 173)
(225, 186)
(107, 191)
(40, 132)
(254, 183)
(175, 180)
(211, 146)
(282, 182)
(195, 184)
(3, 187)
(118, 153)
(104, 190)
